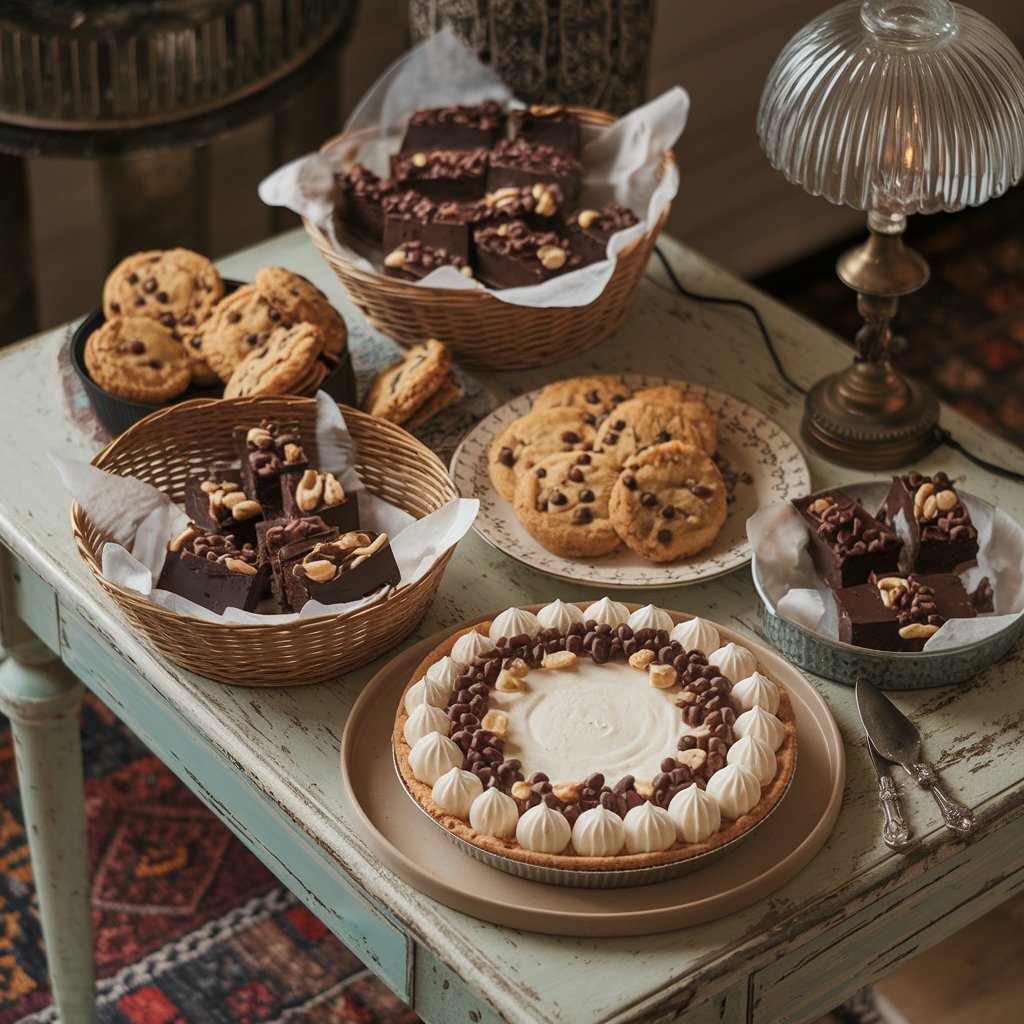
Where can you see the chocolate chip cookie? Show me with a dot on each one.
(636, 425)
(527, 440)
(241, 323)
(693, 408)
(137, 358)
(177, 287)
(669, 502)
(297, 300)
(280, 366)
(597, 395)
(563, 503)
(400, 389)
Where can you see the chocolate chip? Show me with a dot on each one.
(135, 347)
(234, 316)
(576, 474)
(664, 436)
(668, 512)
(586, 494)
(629, 482)
(582, 516)
(701, 491)
(592, 397)
(541, 473)
(557, 498)
(163, 297)
(149, 285)
(612, 439)
(648, 500)
(116, 307)
(571, 437)
(250, 338)
(583, 460)
(664, 536)
(505, 457)
(133, 278)
(140, 301)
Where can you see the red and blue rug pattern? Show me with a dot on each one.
(188, 925)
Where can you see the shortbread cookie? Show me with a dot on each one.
(563, 503)
(240, 324)
(597, 395)
(278, 367)
(527, 440)
(298, 299)
(669, 502)
(694, 408)
(177, 287)
(447, 394)
(139, 359)
(636, 425)
(406, 385)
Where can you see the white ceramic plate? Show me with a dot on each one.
(749, 442)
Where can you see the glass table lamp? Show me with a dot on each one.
(894, 107)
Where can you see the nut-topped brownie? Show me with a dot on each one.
(442, 175)
(537, 205)
(320, 494)
(478, 126)
(589, 230)
(268, 454)
(938, 535)
(846, 542)
(516, 162)
(548, 125)
(359, 203)
(510, 255)
(410, 217)
(281, 535)
(345, 568)
(412, 261)
(216, 502)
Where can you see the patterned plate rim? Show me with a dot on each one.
(468, 470)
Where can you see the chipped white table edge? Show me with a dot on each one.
(266, 761)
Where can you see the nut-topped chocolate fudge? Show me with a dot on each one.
(536, 205)
(350, 566)
(216, 502)
(321, 494)
(937, 532)
(511, 255)
(847, 543)
(285, 535)
(268, 454)
(412, 261)
(517, 162)
(410, 217)
(358, 204)
(478, 126)
(548, 125)
(442, 175)
(589, 230)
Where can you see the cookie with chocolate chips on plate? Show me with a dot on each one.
(563, 503)
(669, 502)
(638, 424)
(597, 395)
(139, 359)
(695, 410)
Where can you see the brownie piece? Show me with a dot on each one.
(321, 495)
(414, 260)
(280, 535)
(511, 255)
(536, 205)
(212, 570)
(937, 532)
(216, 502)
(541, 124)
(271, 456)
(516, 162)
(352, 566)
(900, 613)
(478, 126)
(410, 217)
(847, 544)
(357, 208)
(442, 175)
(588, 231)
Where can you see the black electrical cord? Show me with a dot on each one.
(942, 436)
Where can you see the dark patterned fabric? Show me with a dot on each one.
(965, 328)
(189, 926)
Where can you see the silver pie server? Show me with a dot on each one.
(895, 831)
(896, 739)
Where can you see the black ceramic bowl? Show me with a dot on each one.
(118, 414)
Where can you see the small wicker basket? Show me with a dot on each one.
(480, 330)
(167, 447)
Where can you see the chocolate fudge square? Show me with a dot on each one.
(847, 544)
(216, 502)
(353, 566)
(212, 570)
(279, 535)
(321, 495)
(900, 613)
(267, 455)
(478, 126)
(542, 124)
(359, 195)
(589, 231)
(537, 205)
(515, 162)
(442, 175)
(511, 255)
(410, 217)
(937, 532)
(412, 261)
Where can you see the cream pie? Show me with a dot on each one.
(595, 737)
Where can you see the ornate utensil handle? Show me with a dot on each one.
(895, 832)
(955, 815)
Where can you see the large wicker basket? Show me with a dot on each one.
(167, 447)
(480, 330)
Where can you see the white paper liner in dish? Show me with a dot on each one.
(141, 520)
(778, 537)
(622, 162)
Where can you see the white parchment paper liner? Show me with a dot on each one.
(621, 161)
(778, 538)
(141, 520)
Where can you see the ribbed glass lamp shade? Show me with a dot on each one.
(901, 106)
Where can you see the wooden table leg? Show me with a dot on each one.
(41, 698)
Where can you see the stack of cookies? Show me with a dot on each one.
(169, 325)
(594, 465)
(417, 387)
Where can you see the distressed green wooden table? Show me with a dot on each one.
(266, 761)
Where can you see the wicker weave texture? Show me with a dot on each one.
(480, 330)
(166, 448)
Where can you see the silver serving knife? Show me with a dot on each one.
(896, 738)
(895, 832)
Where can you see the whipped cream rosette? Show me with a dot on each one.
(594, 737)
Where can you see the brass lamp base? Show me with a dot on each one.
(870, 416)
